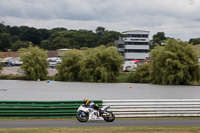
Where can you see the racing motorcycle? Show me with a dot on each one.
(88, 113)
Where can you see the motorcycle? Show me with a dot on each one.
(85, 113)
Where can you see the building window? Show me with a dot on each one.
(136, 35)
(135, 39)
(136, 43)
(136, 50)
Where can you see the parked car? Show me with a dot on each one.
(129, 66)
(52, 64)
(6, 63)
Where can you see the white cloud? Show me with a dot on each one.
(153, 15)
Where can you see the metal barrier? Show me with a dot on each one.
(154, 107)
(121, 108)
(38, 109)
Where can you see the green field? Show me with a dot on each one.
(197, 49)
(193, 129)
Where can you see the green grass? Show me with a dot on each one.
(12, 77)
(131, 129)
(125, 77)
(20, 77)
(187, 129)
(197, 49)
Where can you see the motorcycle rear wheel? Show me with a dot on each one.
(109, 118)
(82, 118)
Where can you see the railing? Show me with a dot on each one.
(154, 108)
(37, 109)
(121, 108)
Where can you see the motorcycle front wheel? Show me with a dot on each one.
(110, 117)
(82, 116)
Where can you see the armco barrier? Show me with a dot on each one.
(121, 108)
(29, 109)
(154, 107)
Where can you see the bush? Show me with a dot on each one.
(125, 77)
(34, 64)
(142, 74)
(101, 64)
(13, 77)
(175, 63)
(69, 69)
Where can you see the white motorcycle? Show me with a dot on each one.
(87, 113)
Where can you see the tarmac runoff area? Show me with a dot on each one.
(14, 71)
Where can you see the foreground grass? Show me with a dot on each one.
(152, 129)
(193, 129)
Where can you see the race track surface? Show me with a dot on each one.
(99, 123)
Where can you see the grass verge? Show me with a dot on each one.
(193, 129)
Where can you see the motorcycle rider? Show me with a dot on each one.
(91, 104)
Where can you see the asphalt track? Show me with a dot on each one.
(99, 123)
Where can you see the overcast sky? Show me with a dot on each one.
(177, 18)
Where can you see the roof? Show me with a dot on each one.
(16, 54)
(64, 49)
(136, 32)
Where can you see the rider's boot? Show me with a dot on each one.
(101, 112)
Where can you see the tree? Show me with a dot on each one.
(3, 28)
(109, 37)
(58, 29)
(45, 44)
(34, 62)
(20, 44)
(44, 34)
(175, 63)
(101, 64)
(5, 41)
(1, 65)
(159, 38)
(15, 38)
(100, 30)
(194, 41)
(31, 34)
(14, 31)
(142, 74)
(58, 43)
(69, 69)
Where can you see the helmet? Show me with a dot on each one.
(86, 101)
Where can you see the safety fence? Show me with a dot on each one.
(121, 108)
(40, 109)
(154, 107)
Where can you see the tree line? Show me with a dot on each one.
(174, 63)
(100, 64)
(160, 38)
(14, 38)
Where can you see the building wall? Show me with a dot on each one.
(134, 44)
(136, 47)
(138, 56)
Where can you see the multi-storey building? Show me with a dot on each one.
(134, 44)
